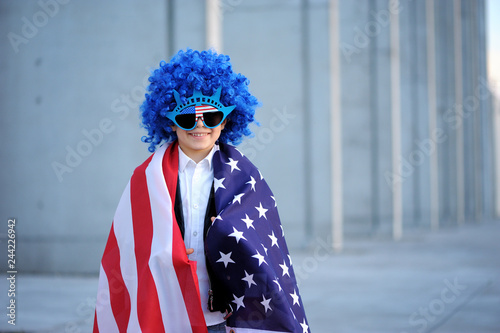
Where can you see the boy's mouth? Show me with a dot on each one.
(198, 134)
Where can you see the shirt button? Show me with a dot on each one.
(195, 234)
(195, 206)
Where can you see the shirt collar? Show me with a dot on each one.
(184, 160)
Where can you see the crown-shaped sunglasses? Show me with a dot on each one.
(211, 111)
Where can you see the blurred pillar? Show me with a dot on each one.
(431, 86)
(457, 26)
(496, 145)
(397, 192)
(214, 25)
(335, 127)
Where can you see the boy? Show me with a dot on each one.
(196, 244)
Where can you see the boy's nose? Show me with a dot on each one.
(199, 122)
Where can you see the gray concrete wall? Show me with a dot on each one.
(73, 79)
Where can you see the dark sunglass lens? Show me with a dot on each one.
(213, 119)
(186, 121)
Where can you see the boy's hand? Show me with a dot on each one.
(212, 219)
(189, 251)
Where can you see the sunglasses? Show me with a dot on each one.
(187, 119)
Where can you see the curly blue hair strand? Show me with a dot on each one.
(194, 70)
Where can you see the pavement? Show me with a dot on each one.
(444, 281)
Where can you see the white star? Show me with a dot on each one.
(290, 259)
(274, 240)
(218, 184)
(275, 205)
(237, 234)
(249, 279)
(277, 282)
(225, 258)
(265, 249)
(248, 221)
(262, 210)
(237, 197)
(265, 302)
(252, 182)
(284, 267)
(238, 301)
(295, 298)
(233, 164)
(260, 257)
(261, 177)
(218, 218)
(282, 231)
(305, 328)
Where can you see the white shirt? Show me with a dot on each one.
(195, 182)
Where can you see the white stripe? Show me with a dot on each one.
(173, 309)
(104, 313)
(124, 232)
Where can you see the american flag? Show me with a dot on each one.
(148, 284)
(247, 250)
(198, 109)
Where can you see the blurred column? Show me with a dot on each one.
(431, 77)
(335, 128)
(496, 144)
(214, 25)
(397, 201)
(457, 26)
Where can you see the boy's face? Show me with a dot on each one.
(198, 142)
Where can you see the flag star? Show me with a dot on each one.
(237, 234)
(249, 279)
(261, 177)
(238, 301)
(218, 184)
(262, 210)
(305, 328)
(289, 259)
(284, 267)
(275, 205)
(295, 298)
(274, 240)
(218, 218)
(265, 302)
(237, 197)
(248, 222)
(225, 258)
(265, 249)
(282, 231)
(233, 164)
(252, 183)
(260, 257)
(277, 282)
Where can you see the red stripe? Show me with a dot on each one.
(148, 305)
(185, 269)
(118, 293)
(204, 108)
(96, 328)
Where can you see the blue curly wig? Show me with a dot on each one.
(194, 70)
